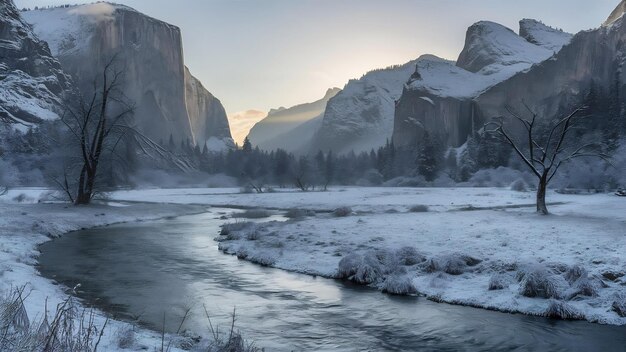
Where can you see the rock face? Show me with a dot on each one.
(553, 87)
(86, 37)
(32, 82)
(209, 123)
(290, 129)
(440, 95)
(360, 117)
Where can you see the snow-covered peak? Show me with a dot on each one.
(544, 36)
(617, 14)
(490, 46)
(67, 29)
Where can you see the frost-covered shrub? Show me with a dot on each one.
(453, 264)
(588, 287)
(539, 281)
(574, 273)
(228, 229)
(399, 285)
(23, 198)
(349, 265)
(298, 213)
(419, 208)
(498, 282)
(519, 186)
(409, 256)
(619, 305)
(362, 269)
(561, 310)
(254, 214)
(370, 271)
(342, 212)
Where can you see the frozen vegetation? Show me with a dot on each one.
(479, 247)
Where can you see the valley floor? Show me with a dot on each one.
(469, 239)
(570, 264)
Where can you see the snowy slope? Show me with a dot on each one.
(491, 48)
(32, 83)
(617, 14)
(538, 33)
(360, 117)
(274, 131)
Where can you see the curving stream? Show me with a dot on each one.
(140, 271)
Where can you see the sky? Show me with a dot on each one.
(255, 55)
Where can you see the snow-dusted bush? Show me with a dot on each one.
(561, 310)
(574, 273)
(370, 271)
(409, 256)
(519, 186)
(418, 181)
(420, 208)
(254, 214)
(349, 265)
(399, 285)
(362, 269)
(588, 287)
(498, 282)
(539, 281)
(453, 264)
(619, 305)
(342, 212)
(229, 229)
(298, 213)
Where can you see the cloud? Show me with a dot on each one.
(241, 123)
(97, 12)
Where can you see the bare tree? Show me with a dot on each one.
(97, 125)
(545, 156)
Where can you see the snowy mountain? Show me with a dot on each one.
(439, 96)
(290, 129)
(32, 82)
(169, 100)
(592, 60)
(542, 35)
(360, 117)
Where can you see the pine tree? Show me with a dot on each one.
(247, 146)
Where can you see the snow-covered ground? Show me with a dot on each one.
(468, 240)
(24, 224)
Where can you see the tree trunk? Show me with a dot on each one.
(541, 195)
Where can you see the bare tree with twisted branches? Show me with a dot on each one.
(96, 125)
(545, 156)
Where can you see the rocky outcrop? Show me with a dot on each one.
(150, 53)
(440, 96)
(32, 82)
(209, 123)
(290, 128)
(360, 117)
(555, 86)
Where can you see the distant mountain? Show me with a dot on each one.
(440, 95)
(32, 82)
(170, 101)
(360, 117)
(290, 129)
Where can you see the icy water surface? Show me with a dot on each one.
(140, 271)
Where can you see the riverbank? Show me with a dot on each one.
(25, 224)
(484, 248)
